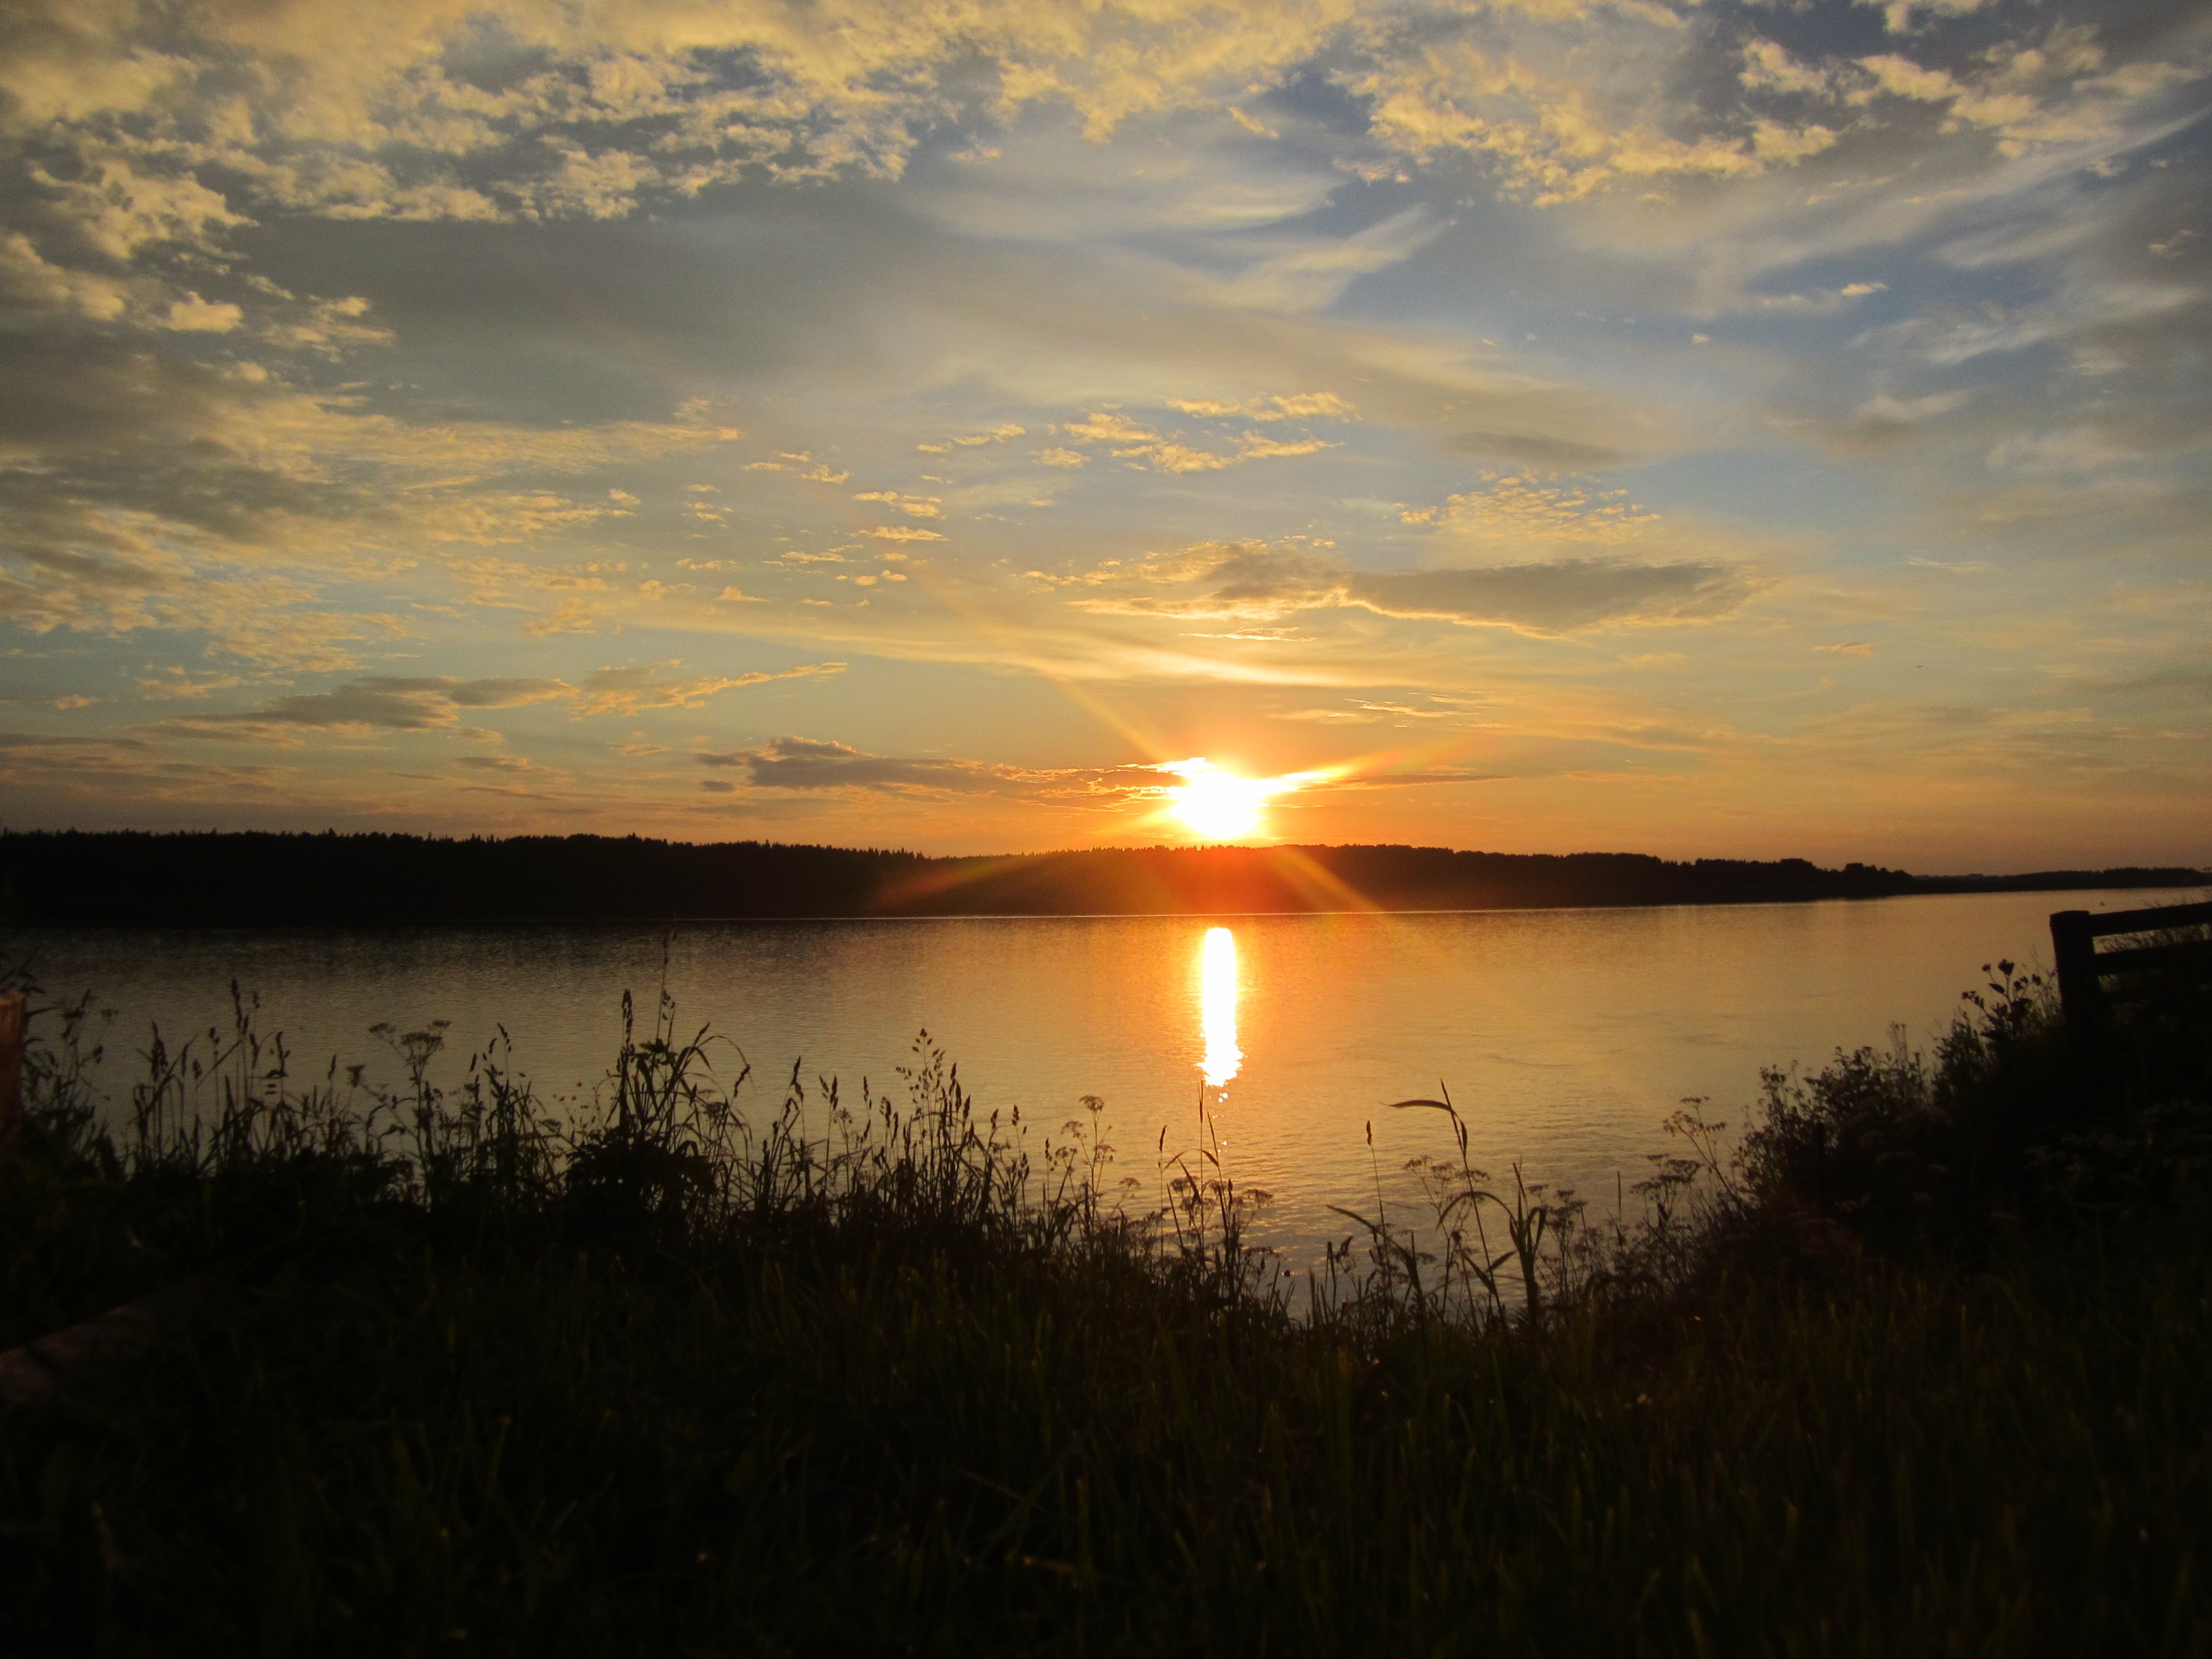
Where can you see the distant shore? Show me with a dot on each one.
(111, 878)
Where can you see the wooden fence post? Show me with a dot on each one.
(2074, 946)
(11, 1071)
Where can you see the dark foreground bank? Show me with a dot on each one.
(1923, 1369)
(131, 879)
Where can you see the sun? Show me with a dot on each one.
(1215, 805)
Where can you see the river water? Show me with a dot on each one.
(1566, 1037)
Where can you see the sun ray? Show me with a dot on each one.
(1311, 881)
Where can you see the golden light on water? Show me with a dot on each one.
(1216, 805)
(1217, 1007)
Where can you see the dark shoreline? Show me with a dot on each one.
(130, 878)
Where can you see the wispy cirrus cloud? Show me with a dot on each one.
(1252, 583)
(811, 764)
(632, 691)
(437, 703)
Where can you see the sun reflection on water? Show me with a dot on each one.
(1217, 1007)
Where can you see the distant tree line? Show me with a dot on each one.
(256, 879)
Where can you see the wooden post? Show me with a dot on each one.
(11, 1071)
(2074, 945)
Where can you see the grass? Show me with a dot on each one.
(1922, 1370)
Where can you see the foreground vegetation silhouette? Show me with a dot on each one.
(1918, 1366)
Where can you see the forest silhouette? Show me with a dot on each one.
(260, 880)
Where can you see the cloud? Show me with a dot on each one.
(1559, 597)
(434, 111)
(915, 507)
(1107, 427)
(633, 690)
(1142, 447)
(434, 703)
(1309, 274)
(376, 702)
(1254, 583)
(571, 615)
(1002, 433)
(174, 682)
(52, 770)
(2059, 90)
(1138, 331)
(90, 550)
(1520, 519)
(1298, 406)
(29, 282)
(1562, 102)
(813, 764)
(1825, 302)
(801, 465)
(19, 742)
(142, 491)
(1768, 66)
(1884, 414)
(494, 518)
(327, 328)
(1257, 446)
(193, 315)
(809, 764)
(1368, 712)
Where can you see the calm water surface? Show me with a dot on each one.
(1566, 1036)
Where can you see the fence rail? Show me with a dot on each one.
(2083, 968)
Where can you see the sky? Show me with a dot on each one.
(1727, 428)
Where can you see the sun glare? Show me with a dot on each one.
(1215, 805)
